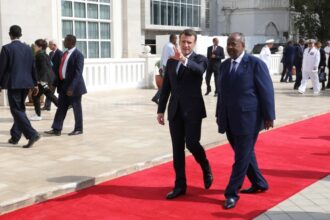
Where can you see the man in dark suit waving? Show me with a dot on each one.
(17, 75)
(71, 87)
(183, 79)
(214, 55)
(245, 106)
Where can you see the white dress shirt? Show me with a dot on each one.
(265, 55)
(168, 51)
(238, 61)
(65, 64)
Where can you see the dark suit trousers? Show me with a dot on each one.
(16, 98)
(48, 101)
(48, 93)
(64, 102)
(212, 68)
(184, 132)
(245, 164)
(298, 76)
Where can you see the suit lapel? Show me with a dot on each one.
(241, 69)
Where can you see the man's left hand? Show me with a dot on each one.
(269, 124)
(69, 93)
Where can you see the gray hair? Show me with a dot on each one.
(241, 36)
(53, 42)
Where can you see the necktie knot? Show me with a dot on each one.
(61, 74)
(233, 67)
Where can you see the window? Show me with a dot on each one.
(176, 13)
(207, 14)
(90, 21)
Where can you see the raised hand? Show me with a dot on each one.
(177, 54)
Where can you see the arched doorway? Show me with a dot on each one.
(271, 30)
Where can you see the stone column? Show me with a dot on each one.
(150, 68)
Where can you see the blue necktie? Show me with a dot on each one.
(233, 68)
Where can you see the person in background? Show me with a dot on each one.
(45, 77)
(289, 55)
(186, 109)
(17, 75)
(168, 51)
(265, 54)
(71, 87)
(322, 63)
(245, 106)
(55, 57)
(299, 52)
(310, 68)
(327, 53)
(214, 55)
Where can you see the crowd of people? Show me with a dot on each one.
(243, 87)
(23, 69)
(308, 59)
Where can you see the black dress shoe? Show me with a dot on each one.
(230, 203)
(176, 192)
(53, 132)
(253, 189)
(13, 141)
(32, 141)
(75, 133)
(207, 176)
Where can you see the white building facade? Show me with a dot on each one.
(120, 28)
(112, 33)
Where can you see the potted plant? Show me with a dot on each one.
(159, 76)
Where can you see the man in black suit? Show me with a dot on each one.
(71, 87)
(214, 55)
(299, 52)
(183, 79)
(55, 57)
(17, 75)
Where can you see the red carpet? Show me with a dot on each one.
(291, 158)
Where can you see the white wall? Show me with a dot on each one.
(132, 40)
(37, 18)
(255, 22)
(205, 41)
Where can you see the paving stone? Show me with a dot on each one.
(121, 136)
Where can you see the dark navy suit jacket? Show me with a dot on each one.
(184, 88)
(289, 55)
(219, 54)
(56, 62)
(74, 75)
(246, 98)
(17, 70)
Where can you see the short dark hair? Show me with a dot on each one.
(71, 38)
(189, 32)
(15, 31)
(172, 37)
(41, 43)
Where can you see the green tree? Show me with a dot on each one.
(312, 18)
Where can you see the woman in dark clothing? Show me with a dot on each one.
(322, 64)
(44, 77)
